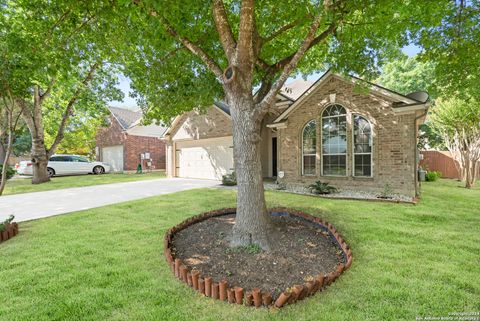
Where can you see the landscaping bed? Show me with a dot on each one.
(8, 229)
(307, 255)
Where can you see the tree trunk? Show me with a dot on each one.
(8, 150)
(253, 222)
(40, 161)
(468, 170)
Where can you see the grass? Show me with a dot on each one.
(24, 185)
(107, 263)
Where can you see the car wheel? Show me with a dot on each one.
(50, 172)
(97, 170)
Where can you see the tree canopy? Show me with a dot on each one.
(407, 75)
(352, 37)
(452, 43)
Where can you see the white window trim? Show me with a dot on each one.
(353, 147)
(303, 154)
(321, 141)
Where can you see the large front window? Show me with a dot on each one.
(334, 141)
(309, 148)
(362, 146)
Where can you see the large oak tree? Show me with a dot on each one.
(186, 54)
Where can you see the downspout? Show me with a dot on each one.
(416, 153)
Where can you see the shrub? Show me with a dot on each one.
(229, 179)
(432, 176)
(387, 192)
(322, 188)
(6, 222)
(10, 172)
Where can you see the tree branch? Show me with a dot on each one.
(223, 28)
(288, 64)
(245, 52)
(281, 30)
(196, 50)
(69, 109)
(47, 92)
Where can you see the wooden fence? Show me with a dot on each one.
(442, 162)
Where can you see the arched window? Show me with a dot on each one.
(362, 146)
(309, 148)
(334, 141)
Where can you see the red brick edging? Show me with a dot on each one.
(11, 230)
(255, 297)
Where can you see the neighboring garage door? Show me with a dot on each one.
(204, 158)
(113, 155)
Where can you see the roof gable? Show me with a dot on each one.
(125, 117)
(397, 98)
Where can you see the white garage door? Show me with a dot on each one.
(113, 155)
(204, 158)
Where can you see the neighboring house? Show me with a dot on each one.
(122, 143)
(327, 130)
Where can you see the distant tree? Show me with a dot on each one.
(452, 43)
(10, 115)
(458, 122)
(407, 74)
(80, 133)
(54, 57)
(22, 143)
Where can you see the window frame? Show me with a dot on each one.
(303, 149)
(321, 140)
(353, 146)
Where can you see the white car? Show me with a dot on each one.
(66, 165)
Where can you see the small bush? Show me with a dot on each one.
(6, 222)
(229, 179)
(321, 188)
(10, 172)
(432, 176)
(387, 192)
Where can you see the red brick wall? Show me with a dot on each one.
(110, 136)
(133, 146)
(136, 145)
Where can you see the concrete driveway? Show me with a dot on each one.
(31, 206)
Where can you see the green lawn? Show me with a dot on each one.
(24, 185)
(107, 263)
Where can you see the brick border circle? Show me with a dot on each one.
(10, 231)
(233, 294)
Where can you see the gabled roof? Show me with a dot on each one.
(401, 102)
(130, 121)
(125, 117)
(296, 88)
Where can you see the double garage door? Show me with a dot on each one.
(204, 158)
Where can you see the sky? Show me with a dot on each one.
(130, 103)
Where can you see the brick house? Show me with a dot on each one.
(123, 142)
(327, 130)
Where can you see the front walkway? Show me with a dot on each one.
(31, 206)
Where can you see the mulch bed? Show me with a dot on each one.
(308, 255)
(301, 251)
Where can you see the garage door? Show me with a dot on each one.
(113, 155)
(204, 158)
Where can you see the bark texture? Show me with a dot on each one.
(33, 119)
(252, 219)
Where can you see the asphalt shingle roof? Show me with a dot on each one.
(126, 117)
